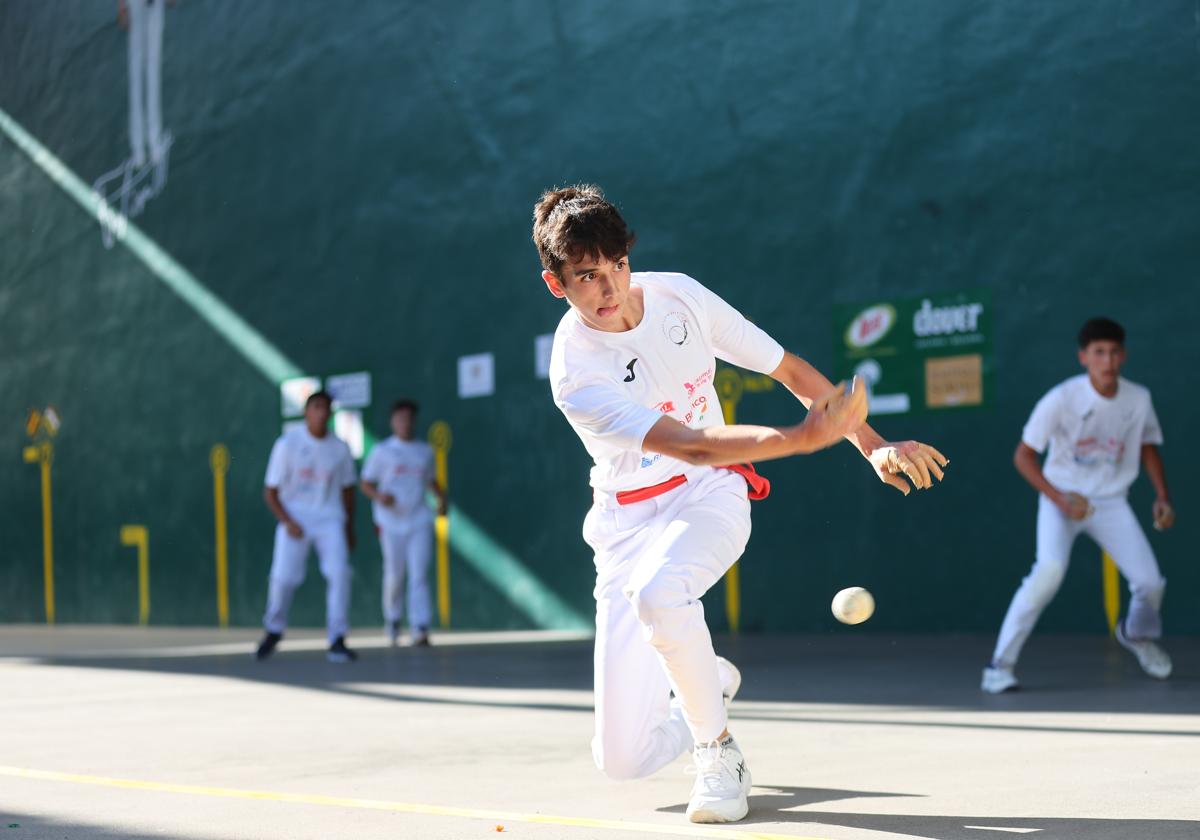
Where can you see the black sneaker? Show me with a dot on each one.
(267, 646)
(338, 652)
(420, 637)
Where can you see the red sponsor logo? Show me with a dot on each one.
(701, 380)
(666, 406)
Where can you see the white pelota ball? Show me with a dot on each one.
(853, 606)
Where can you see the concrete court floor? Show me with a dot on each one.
(160, 733)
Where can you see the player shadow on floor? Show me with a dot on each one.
(948, 827)
(774, 804)
(769, 799)
(22, 825)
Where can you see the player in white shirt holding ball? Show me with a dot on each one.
(632, 369)
(310, 489)
(395, 477)
(1097, 426)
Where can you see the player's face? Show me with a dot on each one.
(402, 424)
(316, 417)
(1103, 360)
(598, 288)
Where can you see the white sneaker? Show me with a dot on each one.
(998, 680)
(1151, 657)
(731, 679)
(722, 783)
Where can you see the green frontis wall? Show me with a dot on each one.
(355, 181)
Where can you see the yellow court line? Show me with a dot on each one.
(683, 830)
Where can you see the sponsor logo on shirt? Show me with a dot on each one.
(651, 461)
(676, 329)
(632, 376)
(701, 380)
(701, 402)
(666, 406)
(1091, 450)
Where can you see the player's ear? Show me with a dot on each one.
(553, 284)
(1083, 357)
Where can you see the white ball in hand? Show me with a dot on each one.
(853, 606)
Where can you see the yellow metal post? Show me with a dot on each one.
(218, 460)
(42, 453)
(440, 439)
(730, 387)
(1112, 591)
(138, 536)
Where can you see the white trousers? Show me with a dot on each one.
(145, 80)
(408, 552)
(1115, 529)
(654, 560)
(288, 568)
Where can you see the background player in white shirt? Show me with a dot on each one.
(395, 477)
(1097, 425)
(632, 368)
(310, 489)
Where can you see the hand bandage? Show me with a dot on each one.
(1078, 507)
(919, 461)
(1164, 515)
(845, 407)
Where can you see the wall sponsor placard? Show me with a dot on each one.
(925, 353)
(476, 375)
(350, 390)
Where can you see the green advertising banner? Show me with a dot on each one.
(927, 353)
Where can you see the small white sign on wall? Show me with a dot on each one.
(350, 390)
(476, 375)
(293, 393)
(542, 345)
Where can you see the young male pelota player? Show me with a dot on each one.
(632, 368)
(1094, 428)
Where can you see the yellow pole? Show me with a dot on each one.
(1112, 591)
(42, 454)
(218, 460)
(440, 439)
(729, 387)
(137, 535)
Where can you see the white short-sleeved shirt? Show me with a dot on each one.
(310, 473)
(403, 468)
(1095, 442)
(613, 386)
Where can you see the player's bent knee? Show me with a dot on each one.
(618, 765)
(657, 600)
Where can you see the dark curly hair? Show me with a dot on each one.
(574, 222)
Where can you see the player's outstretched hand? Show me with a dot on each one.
(838, 413)
(1164, 515)
(920, 462)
